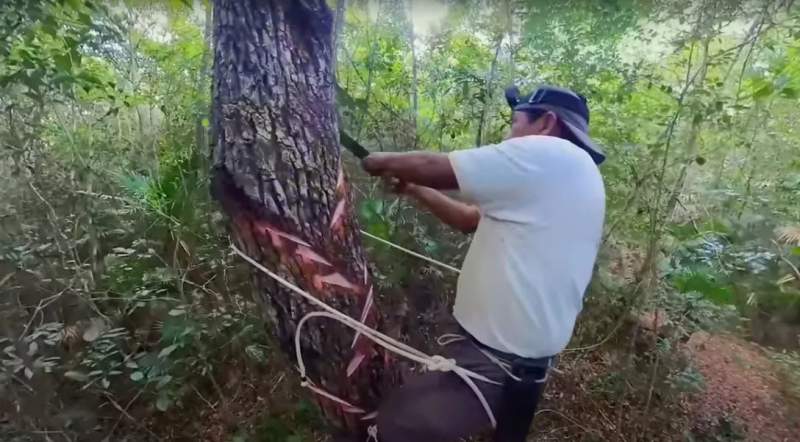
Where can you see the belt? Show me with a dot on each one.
(510, 358)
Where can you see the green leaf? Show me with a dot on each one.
(255, 352)
(62, 62)
(137, 376)
(163, 381)
(795, 251)
(168, 350)
(763, 91)
(76, 376)
(85, 18)
(205, 122)
(789, 92)
(163, 402)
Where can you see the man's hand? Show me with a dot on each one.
(424, 168)
(377, 164)
(456, 214)
(394, 185)
(418, 174)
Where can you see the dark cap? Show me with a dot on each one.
(570, 107)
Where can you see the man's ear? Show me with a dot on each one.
(550, 126)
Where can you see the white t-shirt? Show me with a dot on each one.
(542, 204)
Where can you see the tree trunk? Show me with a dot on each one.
(201, 145)
(278, 176)
(373, 48)
(487, 93)
(506, 9)
(413, 39)
(694, 132)
(341, 5)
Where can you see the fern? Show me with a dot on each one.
(789, 234)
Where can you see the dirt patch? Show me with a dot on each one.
(741, 385)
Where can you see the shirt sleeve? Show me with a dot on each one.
(498, 177)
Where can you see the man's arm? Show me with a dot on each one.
(427, 169)
(458, 215)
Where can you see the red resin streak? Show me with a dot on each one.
(277, 234)
(309, 256)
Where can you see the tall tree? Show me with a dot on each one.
(279, 177)
(412, 38)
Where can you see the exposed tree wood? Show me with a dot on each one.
(279, 178)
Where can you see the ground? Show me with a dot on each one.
(741, 383)
(742, 401)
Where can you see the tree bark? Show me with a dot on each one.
(278, 176)
(488, 88)
(413, 43)
(373, 48)
(694, 132)
(341, 5)
(487, 93)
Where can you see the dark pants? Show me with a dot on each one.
(440, 407)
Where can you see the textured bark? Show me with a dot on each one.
(487, 93)
(278, 176)
(413, 39)
(341, 5)
(694, 132)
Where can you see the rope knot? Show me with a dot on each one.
(440, 363)
(372, 433)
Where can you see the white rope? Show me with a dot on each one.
(449, 338)
(372, 433)
(434, 363)
(412, 253)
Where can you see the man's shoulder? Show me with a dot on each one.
(537, 140)
(542, 145)
(544, 149)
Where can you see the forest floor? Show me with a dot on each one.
(741, 383)
(742, 400)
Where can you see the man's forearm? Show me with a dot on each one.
(458, 215)
(427, 169)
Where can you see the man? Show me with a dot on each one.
(536, 203)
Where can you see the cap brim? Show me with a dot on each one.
(585, 142)
(580, 137)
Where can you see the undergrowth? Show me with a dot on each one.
(124, 316)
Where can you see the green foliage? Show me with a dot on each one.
(43, 46)
(788, 363)
(688, 380)
(113, 262)
(725, 430)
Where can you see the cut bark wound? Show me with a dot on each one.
(278, 176)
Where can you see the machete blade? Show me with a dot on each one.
(352, 145)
